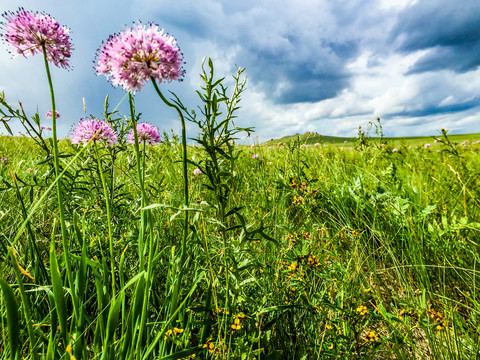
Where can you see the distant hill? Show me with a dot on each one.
(313, 138)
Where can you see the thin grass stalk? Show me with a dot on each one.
(109, 218)
(59, 185)
(183, 251)
(141, 235)
(25, 304)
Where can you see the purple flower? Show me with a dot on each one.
(49, 114)
(254, 156)
(29, 32)
(145, 132)
(345, 142)
(427, 146)
(197, 171)
(93, 129)
(395, 150)
(271, 139)
(130, 58)
(4, 161)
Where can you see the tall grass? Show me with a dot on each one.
(304, 252)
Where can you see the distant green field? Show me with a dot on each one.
(313, 138)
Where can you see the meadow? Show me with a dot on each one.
(298, 252)
(121, 243)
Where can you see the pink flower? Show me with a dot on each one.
(197, 171)
(49, 114)
(427, 146)
(130, 58)
(145, 132)
(29, 32)
(254, 156)
(93, 129)
(395, 150)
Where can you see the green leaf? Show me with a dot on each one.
(13, 328)
(60, 305)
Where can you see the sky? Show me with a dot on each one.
(327, 66)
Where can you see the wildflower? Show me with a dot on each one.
(134, 56)
(93, 129)
(254, 156)
(435, 141)
(4, 161)
(427, 146)
(49, 114)
(31, 33)
(331, 346)
(145, 132)
(371, 336)
(236, 324)
(345, 142)
(317, 144)
(362, 310)
(271, 139)
(209, 345)
(354, 233)
(395, 150)
(293, 266)
(197, 171)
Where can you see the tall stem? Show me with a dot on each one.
(141, 236)
(183, 253)
(109, 218)
(59, 185)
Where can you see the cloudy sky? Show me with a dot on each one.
(312, 65)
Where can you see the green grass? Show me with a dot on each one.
(313, 138)
(343, 253)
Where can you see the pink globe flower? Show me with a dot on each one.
(254, 156)
(395, 150)
(49, 114)
(145, 132)
(197, 172)
(28, 32)
(130, 58)
(95, 130)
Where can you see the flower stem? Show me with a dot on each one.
(141, 236)
(109, 218)
(59, 186)
(183, 251)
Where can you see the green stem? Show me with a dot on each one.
(183, 253)
(142, 185)
(63, 227)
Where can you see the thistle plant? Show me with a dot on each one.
(28, 34)
(130, 59)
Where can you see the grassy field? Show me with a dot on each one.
(299, 252)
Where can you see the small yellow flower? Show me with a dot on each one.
(362, 310)
(371, 336)
(354, 233)
(293, 266)
(331, 346)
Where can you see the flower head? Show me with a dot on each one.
(254, 156)
(427, 146)
(395, 150)
(197, 171)
(145, 132)
(93, 129)
(4, 161)
(49, 114)
(29, 32)
(130, 58)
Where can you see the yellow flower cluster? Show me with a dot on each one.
(236, 322)
(171, 333)
(371, 336)
(362, 310)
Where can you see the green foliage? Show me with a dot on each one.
(303, 252)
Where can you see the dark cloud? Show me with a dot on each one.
(445, 109)
(450, 30)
